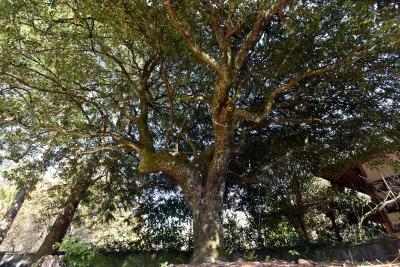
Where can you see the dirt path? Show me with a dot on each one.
(300, 263)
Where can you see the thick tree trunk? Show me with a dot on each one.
(13, 210)
(203, 186)
(207, 223)
(297, 221)
(207, 230)
(299, 216)
(61, 224)
(303, 227)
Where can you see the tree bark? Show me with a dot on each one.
(13, 210)
(61, 224)
(332, 217)
(299, 216)
(207, 229)
(207, 234)
(207, 223)
(303, 227)
(297, 221)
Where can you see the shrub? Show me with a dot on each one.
(77, 252)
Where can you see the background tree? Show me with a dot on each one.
(27, 176)
(82, 178)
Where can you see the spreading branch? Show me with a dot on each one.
(254, 34)
(246, 114)
(188, 37)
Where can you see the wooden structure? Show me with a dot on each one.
(381, 181)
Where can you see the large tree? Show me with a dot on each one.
(183, 87)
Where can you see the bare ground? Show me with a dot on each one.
(301, 263)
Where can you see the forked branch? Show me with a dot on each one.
(254, 34)
(267, 107)
(188, 37)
